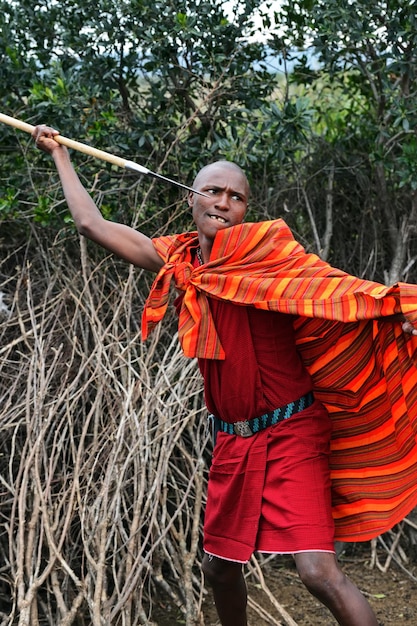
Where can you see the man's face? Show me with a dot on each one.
(226, 206)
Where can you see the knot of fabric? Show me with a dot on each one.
(196, 329)
(182, 274)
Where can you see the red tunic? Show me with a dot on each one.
(271, 492)
(262, 370)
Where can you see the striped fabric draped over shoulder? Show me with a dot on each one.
(364, 368)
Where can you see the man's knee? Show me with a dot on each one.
(220, 572)
(319, 572)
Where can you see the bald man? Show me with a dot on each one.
(269, 484)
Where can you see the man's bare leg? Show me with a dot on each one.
(321, 574)
(229, 589)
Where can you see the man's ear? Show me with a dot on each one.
(190, 199)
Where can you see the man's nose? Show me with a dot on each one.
(223, 201)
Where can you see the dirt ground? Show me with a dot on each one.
(393, 595)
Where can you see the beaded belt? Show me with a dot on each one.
(247, 428)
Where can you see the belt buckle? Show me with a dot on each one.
(242, 429)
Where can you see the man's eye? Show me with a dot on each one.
(236, 197)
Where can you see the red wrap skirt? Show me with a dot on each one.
(271, 492)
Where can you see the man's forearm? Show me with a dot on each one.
(82, 207)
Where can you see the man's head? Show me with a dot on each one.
(228, 188)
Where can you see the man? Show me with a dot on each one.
(269, 485)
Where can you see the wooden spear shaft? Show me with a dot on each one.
(94, 152)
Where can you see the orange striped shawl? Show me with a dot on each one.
(363, 368)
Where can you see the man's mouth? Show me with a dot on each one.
(218, 218)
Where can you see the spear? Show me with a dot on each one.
(94, 152)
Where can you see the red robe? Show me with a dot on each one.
(363, 368)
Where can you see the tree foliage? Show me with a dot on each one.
(364, 53)
(328, 139)
(159, 82)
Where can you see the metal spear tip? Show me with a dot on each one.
(131, 165)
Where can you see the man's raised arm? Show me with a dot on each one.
(124, 241)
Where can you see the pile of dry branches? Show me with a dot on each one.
(103, 440)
